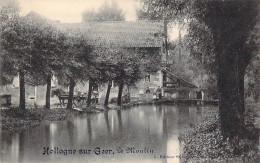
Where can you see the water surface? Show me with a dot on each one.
(147, 133)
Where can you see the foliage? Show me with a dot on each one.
(76, 63)
(205, 142)
(151, 61)
(15, 44)
(200, 40)
(188, 66)
(106, 12)
(75, 58)
(105, 63)
(126, 65)
(9, 17)
(46, 45)
(200, 44)
(160, 9)
(9, 9)
(210, 33)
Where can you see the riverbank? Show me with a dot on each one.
(205, 143)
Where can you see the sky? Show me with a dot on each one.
(70, 11)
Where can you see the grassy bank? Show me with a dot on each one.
(205, 143)
(15, 118)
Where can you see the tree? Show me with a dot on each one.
(161, 10)
(125, 66)
(107, 12)
(228, 26)
(106, 66)
(9, 12)
(133, 64)
(47, 44)
(118, 64)
(31, 50)
(102, 73)
(222, 34)
(193, 64)
(128, 70)
(13, 50)
(95, 78)
(76, 62)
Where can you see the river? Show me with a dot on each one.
(146, 133)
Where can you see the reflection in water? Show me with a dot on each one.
(107, 123)
(89, 130)
(71, 133)
(119, 117)
(153, 127)
(52, 131)
(21, 146)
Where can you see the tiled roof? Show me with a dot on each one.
(118, 33)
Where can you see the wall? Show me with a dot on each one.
(29, 94)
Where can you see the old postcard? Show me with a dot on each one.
(129, 81)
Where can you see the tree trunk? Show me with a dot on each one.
(231, 95)
(89, 93)
(120, 92)
(71, 91)
(22, 90)
(48, 92)
(108, 92)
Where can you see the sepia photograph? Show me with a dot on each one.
(129, 81)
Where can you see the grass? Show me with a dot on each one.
(205, 143)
